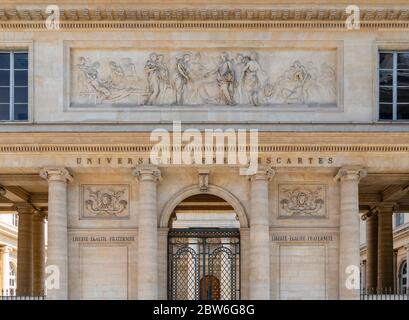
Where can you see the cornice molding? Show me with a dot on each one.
(199, 18)
(146, 148)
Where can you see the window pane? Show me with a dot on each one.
(385, 111)
(403, 78)
(20, 61)
(4, 95)
(20, 112)
(386, 61)
(385, 78)
(403, 95)
(403, 60)
(4, 111)
(21, 95)
(4, 77)
(385, 94)
(4, 60)
(403, 111)
(21, 78)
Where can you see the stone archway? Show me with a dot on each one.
(226, 249)
(220, 192)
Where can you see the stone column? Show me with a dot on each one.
(260, 235)
(349, 255)
(372, 252)
(57, 250)
(5, 259)
(25, 250)
(147, 233)
(163, 263)
(385, 248)
(38, 253)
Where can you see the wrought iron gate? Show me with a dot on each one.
(204, 264)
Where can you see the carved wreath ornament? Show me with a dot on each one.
(302, 201)
(105, 202)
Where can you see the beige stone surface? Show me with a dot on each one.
(25, 251)
(109, 251)
(102, 280)
(302, 272)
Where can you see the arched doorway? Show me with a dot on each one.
(204, 250)
(403, 277)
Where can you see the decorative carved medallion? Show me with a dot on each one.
(302, 200)
(105, 201)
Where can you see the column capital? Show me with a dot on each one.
(24, 208)
(263, 173)
(386, 207)
(39, 215)
(3, 191)
(56, 174)
(5, 249)
(351, 174)
(144, 173)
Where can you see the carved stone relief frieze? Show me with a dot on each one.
(304, 200)
(104, 201)
(250, 77)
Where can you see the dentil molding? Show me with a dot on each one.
(204, 18)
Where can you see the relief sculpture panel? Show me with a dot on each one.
(302, 200)
(133, 78)
(105, 201)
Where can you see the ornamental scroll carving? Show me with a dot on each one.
(302, 200)
(105, 201)
(196, 78)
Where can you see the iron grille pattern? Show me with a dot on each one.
(204, 264)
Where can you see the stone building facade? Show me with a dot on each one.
(400, 254)
(8, 257)
(84, 86)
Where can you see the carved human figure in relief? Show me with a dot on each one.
(328, 77)
(165, 87)
(90, 71)
(299, 76)
(117, 76)
(182, 77)
(251, 78)
(238, 68)
(153, 72)
(202, 78)
(226, 80)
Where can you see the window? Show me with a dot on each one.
(399, 219)
(403, 275)
(12, 279)
(394, 85)
(15, 219)
(13, 85)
